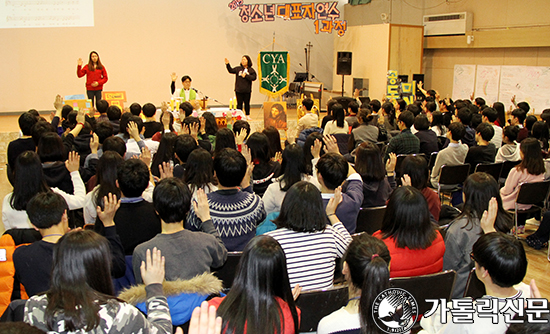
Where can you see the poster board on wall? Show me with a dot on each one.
(464, 81)
(275, 115)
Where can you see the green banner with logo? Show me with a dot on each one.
(274, 72)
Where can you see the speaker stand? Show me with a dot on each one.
(343, 85)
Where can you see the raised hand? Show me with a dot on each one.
(204, 321)
(406, 180)
(296, 291)
(316, 148)
(173, 76)
(110, 205)
(145, 156)
(58, 103)
(239, 137)
(133, 130)
(166, 170)
(489, 217)
(152, 269)
(331, 144)
(226, 61)
(246, 153)
(79, 61)
(73, 163)
(390, 164)
(334, 201)
(94, 143)
(202, 210)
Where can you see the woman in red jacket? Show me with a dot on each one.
(415, 244)
(96, 76)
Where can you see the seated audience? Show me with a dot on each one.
(187, 253)
(199, 173)
(191, 125)
(541, 132)
(353, 109)
(209, 127)
(107, 171)
(490, 116)
(165, 152)
(365, 268)
(274, 139)
(29, 180)
(260, 299)
(437, 125)
(454, 154)
(234, 208)
(183, 146)
(530, 169)
(135, 109)
(265, 170)
(81, 296)
(464, 116)
(366, 131)
(417, 175)
(518, 119)
(102, 107)
(405, 142)
(428, 138)
(293, 168)
(464, 231)
(339, 124)
(310, 118)
(25, 143)
(415, 244)
(501, 265)
(378, 182)
(310, 242)
(224, 138)
(114, 113)
(167, 121)
(151, 125)
(510, 150)
(332, 170)
(485, 151)
(136, 219)
(48, 213)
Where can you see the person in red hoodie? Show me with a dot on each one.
(415, 244)
(96, 76)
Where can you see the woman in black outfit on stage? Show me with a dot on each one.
(245, 74)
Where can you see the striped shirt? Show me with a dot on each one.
(310, 256)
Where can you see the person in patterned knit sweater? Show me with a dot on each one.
(234, 208)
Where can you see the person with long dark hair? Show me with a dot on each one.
(29, 180)
(225, 138)
(378, 182)
(501, 111)
(244, 75)
(416, 174)
(96, 76)
(165, 152)
(265, 170)
(107, 169)
(311, 241)
(339, 124)
(366, 269)
(530, 169)
(414, 242)
(293, 168)
(199, 172)
(81, 296)
(463, 232)
(209, 127)
(275, 148)
(260, 299)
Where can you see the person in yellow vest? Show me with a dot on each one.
(187, 93)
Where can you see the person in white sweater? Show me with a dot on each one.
(453, 155)
(339, 124)
(29, 181)
(293, 168)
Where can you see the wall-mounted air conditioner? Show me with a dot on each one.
(447, 24)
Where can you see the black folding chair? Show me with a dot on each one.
(433, 286)
(370, 220)
(492, 169)
(536, 194)
(227, 272)
(506, 168)
(474, 287)
(451, 178)
(317, 304)
(342, 142)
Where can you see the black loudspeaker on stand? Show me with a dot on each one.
(343, 66)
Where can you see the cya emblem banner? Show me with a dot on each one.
(274, 72)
